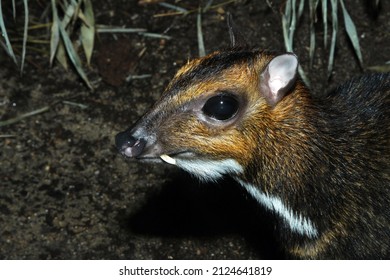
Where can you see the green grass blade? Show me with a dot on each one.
(71, 103)
(5, 35)
(111, 29)
(13, 9)
(293, 22)
(286, 22)
(351, 31)
(284, 29)
(287, 42)
(26, 16)
(287, 11)
(69, 13)
(55, 33)
(325, 21)
(88, 30)
(334, 36)
(61, 55)
(303, 76)
(300, 9)
(202, 51)
(155, 35)
(73, 56)
(385, 68)
(19, 118)
(208, 5)
(313, 13)
(173, 7)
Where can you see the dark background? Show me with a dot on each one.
(65, 193)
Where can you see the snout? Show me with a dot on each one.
(128, 145)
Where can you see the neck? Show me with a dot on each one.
(291, 161)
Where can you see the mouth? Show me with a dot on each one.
(167, 158)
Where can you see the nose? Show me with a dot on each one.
(128, 145)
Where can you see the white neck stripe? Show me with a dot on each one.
(297, 223)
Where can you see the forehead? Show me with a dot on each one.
(217, 71)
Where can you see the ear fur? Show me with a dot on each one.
(278, 77)
(236, 37)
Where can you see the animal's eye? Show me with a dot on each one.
(221, 107)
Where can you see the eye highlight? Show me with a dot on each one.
(221, 107)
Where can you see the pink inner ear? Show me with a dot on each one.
(276, 83)
(278, 77)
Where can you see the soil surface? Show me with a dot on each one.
(65, 192)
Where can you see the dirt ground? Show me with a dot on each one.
(65, 192)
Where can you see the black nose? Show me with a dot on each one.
(128, 145)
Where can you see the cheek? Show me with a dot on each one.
(234, 145)
(216, 143)
(187, 133)
(181, 133)
(191, 134)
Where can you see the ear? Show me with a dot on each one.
(278, 77)
(236, 37)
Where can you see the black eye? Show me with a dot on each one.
(221, 107)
